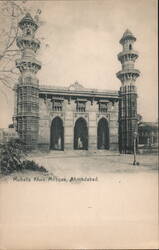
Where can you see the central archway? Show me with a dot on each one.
(81, 135)
(57, 134)
(103, 134)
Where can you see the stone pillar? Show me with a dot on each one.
(92, 129)
(68, 126)
(44, 125)
(113, 126)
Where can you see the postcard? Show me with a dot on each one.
(78, 124)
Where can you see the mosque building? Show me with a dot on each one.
(74, 117)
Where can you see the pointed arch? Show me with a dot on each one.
(57, 134)
(81, 134)
(103, 134)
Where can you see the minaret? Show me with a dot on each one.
(127, 93)
(28, 85)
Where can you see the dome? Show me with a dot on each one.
(28, 19)
(127, 35)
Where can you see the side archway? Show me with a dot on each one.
(81, 135)
(103, 134)
(57, 134)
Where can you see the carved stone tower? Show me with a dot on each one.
(28, 85)
(127, 93)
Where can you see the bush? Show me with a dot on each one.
(12, 156)
(31, 165)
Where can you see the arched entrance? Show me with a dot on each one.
(81, 135)
(57, 134)
(103, 134)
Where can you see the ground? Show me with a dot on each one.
(117, 208)
(82, 163)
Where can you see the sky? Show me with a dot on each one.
(80, 42)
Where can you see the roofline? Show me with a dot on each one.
(65, 91)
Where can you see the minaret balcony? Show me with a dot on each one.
(128, 55)
(28, 43)
(28, 22)
(128, 74)
(28, 64)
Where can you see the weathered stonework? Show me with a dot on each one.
(27, 89)
(69, 115)
(74, 117)
(128, 95)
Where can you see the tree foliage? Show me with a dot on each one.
(13, 158)
(11, 11)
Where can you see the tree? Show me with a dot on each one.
(13, 158)
(10, 12)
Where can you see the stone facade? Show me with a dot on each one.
(74, 117)
(6, 134)
(148, 134)
(148, 137)
(70, 113)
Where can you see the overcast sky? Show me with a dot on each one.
(82, 42)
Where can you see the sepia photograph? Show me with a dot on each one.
(78, 124)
